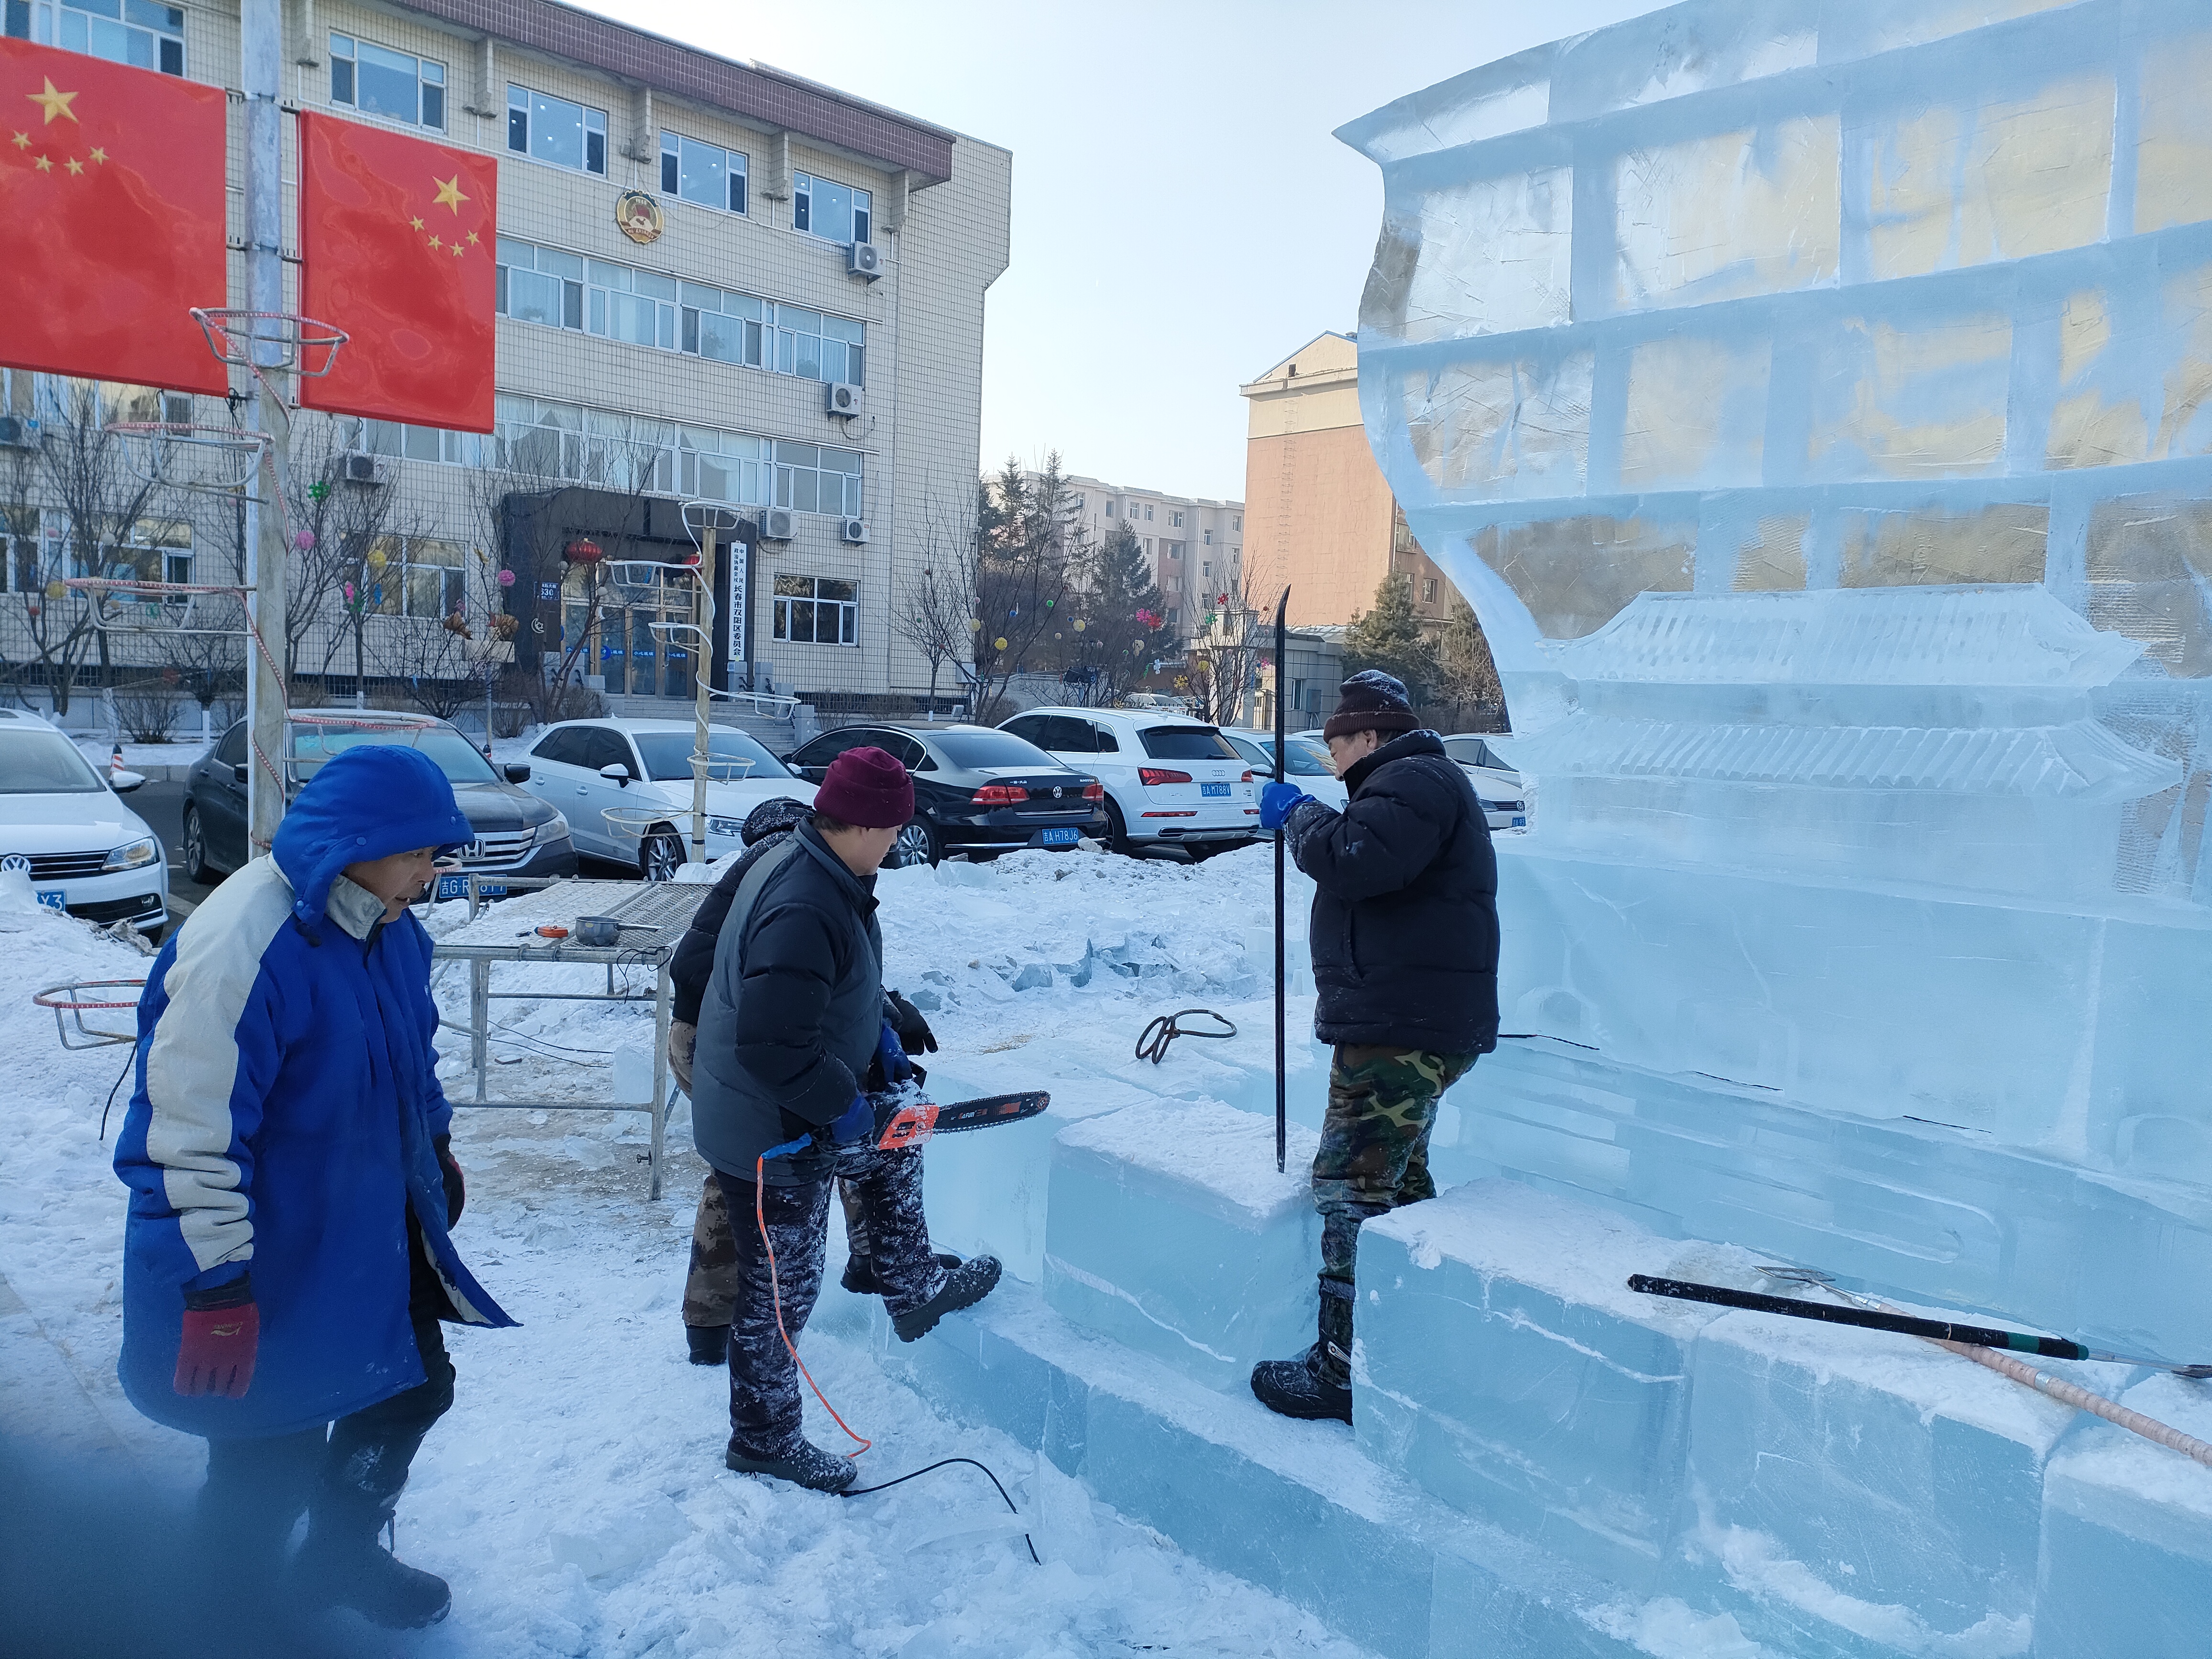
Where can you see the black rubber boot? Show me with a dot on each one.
(964, 1287)
(1317, 1384)
(805, 1465)
(710, 1344)
(860, 1275)
(343, 1565)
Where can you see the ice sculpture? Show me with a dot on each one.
(1815, 402)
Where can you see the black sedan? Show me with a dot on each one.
(517, 834)
(976, 791)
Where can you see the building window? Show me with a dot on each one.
(1109, 509)
(706, 174)
(1206, 538)
(636, 306)
(1428, 590)
(724, 326)
(539, 285)
(411, 443)
(553, 441)
(816, 478)
(833, 211)
(1236, 523)
(379, 82)
(122, 31)
(1148, 513)
(815, 346)
(816, 611)
(422, 576)
(554, 130)
(1178, 520)
(1079, 503)
(1206, 569)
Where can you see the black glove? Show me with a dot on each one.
(456, 1190)
(914, 1033)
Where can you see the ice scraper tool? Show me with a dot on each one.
(1935, 1330)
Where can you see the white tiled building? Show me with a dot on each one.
(812, 249)
(1195, 546)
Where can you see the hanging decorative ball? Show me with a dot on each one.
(999, 643)
(55, 590)
(1078, 624)
(582, 550)
(507, 579)
(303, 539)
(349, 592)
(376, 560)
(975, 624)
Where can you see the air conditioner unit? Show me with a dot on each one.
(18, 432)
(854, 530)
(843, 398)
(358, 468)
(776, 526)
(864, 259)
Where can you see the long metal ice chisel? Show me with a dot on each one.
(1936, 1330)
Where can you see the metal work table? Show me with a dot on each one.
(656, 913)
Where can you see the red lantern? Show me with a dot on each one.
(582, 550)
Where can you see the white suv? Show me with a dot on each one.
(1170, 781)
(62, 825)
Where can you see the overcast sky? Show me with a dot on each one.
(1182, 217)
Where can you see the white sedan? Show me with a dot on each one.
(626, 787)
(63, 828)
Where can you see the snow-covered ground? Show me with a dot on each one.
(575, 1496)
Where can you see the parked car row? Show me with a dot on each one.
(1137, 779)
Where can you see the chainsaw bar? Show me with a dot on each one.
(917, 1121)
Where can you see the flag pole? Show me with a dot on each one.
(1282, 1097)
(261, 59)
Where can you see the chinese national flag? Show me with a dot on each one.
(111, 186)
(397, 241)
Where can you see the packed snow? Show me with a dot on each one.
(575, 1497)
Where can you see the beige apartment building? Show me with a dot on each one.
(1323, 518)
(716, 281)
(1195, 546)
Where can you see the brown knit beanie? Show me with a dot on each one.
(1371, 700)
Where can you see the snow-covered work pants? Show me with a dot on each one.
(764, 1393)
(710, 1287)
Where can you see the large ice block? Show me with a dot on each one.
(1502, 1363)
(1170, 1230)
(1868, 1491)
(2127, 1536)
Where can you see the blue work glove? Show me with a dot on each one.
(897, 1068)
(1276, 802)
(855, 1124)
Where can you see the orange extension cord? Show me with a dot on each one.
(775, 1293)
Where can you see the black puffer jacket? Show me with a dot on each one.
(791, 1013)
(1405, 910)
(688, 969)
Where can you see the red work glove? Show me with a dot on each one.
(222, 1332)
(456, 1190)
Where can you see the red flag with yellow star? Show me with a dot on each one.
(396, 242)
(111, 186)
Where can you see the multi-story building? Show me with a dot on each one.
(1323, 520)
(714, 281)
(1195, 546)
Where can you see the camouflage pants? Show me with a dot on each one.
(1374, 1153)
(710, 1289)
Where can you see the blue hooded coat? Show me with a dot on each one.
(287, 1114)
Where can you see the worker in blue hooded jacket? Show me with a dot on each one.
(287, 1258)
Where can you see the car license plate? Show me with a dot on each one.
(1520, 823)
(1213, 791)
(50, 897)
(1059, 837)
(457, 887)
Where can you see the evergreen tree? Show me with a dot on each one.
(1120, 610)
(1388, 637)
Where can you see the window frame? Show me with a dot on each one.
(787, 600)
(48, 23)
(429, 87)
(587, 130)
(735, 167)
(862, 203)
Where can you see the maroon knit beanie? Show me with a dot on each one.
(866, 788)
(1371, 700)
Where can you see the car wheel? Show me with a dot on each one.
(1117, 831)
(917, 844)
(661, 855)
(196, 867)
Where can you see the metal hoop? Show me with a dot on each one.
(272, 339)
(155, 445)
(635, 823)
(701, 513)
(106, 590)
(65, 999)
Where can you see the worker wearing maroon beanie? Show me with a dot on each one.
(792, 1044)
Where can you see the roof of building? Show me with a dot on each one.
(1276, 370)
(752, 92)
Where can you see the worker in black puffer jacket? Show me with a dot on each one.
(1404, 937)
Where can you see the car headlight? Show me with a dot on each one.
(733, 829)
(554, 828)
(132, 855)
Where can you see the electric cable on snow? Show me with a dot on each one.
(886, 1485)
(1153, 1044)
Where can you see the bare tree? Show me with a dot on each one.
(1028, 537)
(935, 612)
(1466, 678)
